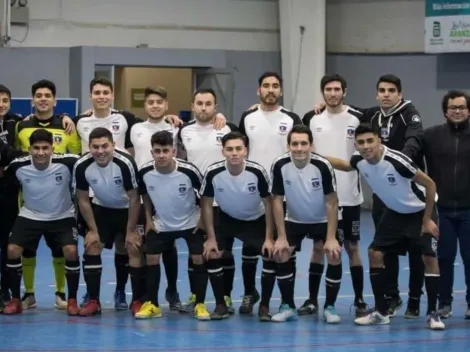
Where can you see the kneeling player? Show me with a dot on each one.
(408, 222)
(307, 183)
(45, 180)
(170, 186)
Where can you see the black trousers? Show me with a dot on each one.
(8, 214)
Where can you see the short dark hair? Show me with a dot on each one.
(103, 81)
(454, 94)
(41, 135)
(232, 136)
(392, 79)
(333, 78)
(364, 128)
(163, 138)
(267, 75)
(160, 91)
(44, 83)
(100, 132)
(205, 91)
(301, 129)
(5, 90)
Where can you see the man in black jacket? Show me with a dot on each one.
(446, 149)
(400, 128)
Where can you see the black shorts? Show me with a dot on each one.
(161, 242)
(296, 232)
(252, 233)
(399, 234)
(351, 223)
(27, 233)
(378, 208)
(81, 223)
(111, 224)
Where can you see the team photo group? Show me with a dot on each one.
(135, 185)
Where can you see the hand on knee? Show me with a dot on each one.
(283, 257)
(93, 249)
(333, 259)
(197, 259)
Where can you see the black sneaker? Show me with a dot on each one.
(3, 302)
(173, 299)
(412, 309)
(361, 308)
(220, 312)
(309, 307)
(263, 314)
(248, 303)
(395, 304)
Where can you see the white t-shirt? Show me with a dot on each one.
(333, 135)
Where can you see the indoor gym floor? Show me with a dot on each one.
(46, 329)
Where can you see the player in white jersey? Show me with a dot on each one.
(171, 186)
(241, 189)
(45, 180)
(333, 133)
(156, 107)
(408, 221)
(266, 126)
(111, 217)
(200, 141)
(307, 182)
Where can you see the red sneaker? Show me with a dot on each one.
(92, 307)
(72, 307)
(13, 307)
(135, 306)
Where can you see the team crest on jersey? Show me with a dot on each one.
(115, 127)
(58, 178)
(315, 183)
(384, 134)
(57, 138)
(391, 178)
(251, 188)
(350, 132)
(117, 180)
(218, 138)
(182, 189)
(282, 128)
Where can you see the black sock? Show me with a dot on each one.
(3, 270)
(377, 281)
(249, 264)
(92, 268)
(72, 274)
(268, 279)
(229, 274)
(216, 276)
(416, 275)
(170, 262)
(190, 274)
(333, 283)
(15, 271)
(136, 281)
(143, 281)
(285, 281)
(121, 263)
(200, 282)
(432, 289)
(392, 268)
(293, 261)
(153, 283)
(357, 278)
(314, 279)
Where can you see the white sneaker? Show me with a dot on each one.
(60, 301)
(434, 322)
(28, 301)
(374, 318)
(286, 313)
(330, 315)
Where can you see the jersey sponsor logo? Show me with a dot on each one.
(57, 138)
(391, 178)
(316, 183)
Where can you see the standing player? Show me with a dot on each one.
(111, 217)
(170, 186)
(156, 107)
(200, 141)
(241, 189)
(400, 128)
(408, 220)
(266, 127)
(44, 100)
(333, 133)
(307, 182)
(48, 209)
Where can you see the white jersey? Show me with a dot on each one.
(141, 134)
(47, 194)
(238, 196)
(109, 184)
(118, 122)
(304, 189)
(173, 195)
(267, 133)
(391, 180)
(333, 135)
(202, 143)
